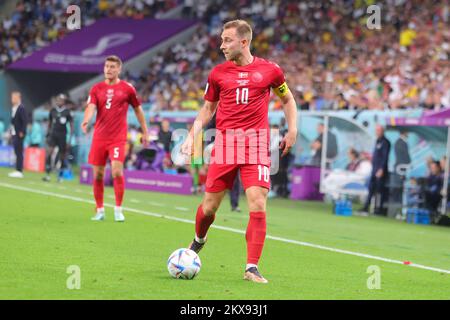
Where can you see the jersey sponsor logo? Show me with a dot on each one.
(242, 82)
(243, 75)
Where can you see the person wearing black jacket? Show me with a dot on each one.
(402, 162)
(379, 176)
(59, 117)
(433, 187)
(18, 131)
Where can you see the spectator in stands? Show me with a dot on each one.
(333, 60)
(379, 176)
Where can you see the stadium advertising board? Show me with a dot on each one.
(85, 50)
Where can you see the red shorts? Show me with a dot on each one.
(101, 149)
(221, 176)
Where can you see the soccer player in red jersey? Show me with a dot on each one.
(238, 90)
(111, 99)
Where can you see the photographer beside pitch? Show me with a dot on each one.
(239, 89)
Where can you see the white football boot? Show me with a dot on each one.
(100, 215)
(118, 214)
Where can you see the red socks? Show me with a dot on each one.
(98, 192)
(255, 236)
(119, 189)
(202, 222)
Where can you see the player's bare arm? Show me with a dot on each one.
(290, 113)
(88, 114)
(204, 116)
(141, 119)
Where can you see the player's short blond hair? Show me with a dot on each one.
(243, 29)
(115, 59)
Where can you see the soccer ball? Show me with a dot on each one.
(184, 264)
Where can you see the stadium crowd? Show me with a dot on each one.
(35, 24)
(331, 58)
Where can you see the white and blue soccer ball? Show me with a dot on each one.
(184, 264)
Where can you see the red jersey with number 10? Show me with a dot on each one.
(112, 103)
(243, 93)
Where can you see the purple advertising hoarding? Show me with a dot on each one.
(160, 182)
(305, 184)
(86, 49)
(424, 121)
(145, 180)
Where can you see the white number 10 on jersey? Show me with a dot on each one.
(242, 98)
(263, 173)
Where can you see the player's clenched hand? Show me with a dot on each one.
(84, 126)
(288, 142)
(145, 139)
(187, 146)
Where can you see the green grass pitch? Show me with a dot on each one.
(42, 234)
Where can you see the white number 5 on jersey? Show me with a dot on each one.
(108, 103)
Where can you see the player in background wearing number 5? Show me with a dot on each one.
(239, 89)
(111, 99)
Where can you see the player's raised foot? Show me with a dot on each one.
(99, 216)
(118, 214)
(252, 274)
(196, 246)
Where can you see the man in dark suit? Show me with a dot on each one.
(18, 131)
(316, 145)
(402, 161)
(402, 158)
(379, 176)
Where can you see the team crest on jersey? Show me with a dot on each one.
(257, 77)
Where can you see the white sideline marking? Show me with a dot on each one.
(182, 208)
(156, 204)
(134, 201)
(301, 243)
